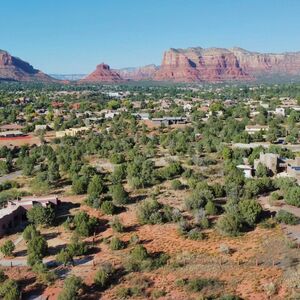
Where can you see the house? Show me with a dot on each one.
(169, 120)
(11, 127)
(251, 129)
(41, 127)
(75, 106)
(14, 214)
(110, 114)
(57, 104)
(187, 107)
(141, 116)
(272, 161)
(280, 111)
(247, 170)
(71, 132)
(11, 133)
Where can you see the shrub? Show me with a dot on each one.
(198, 199)
(64, 257)
(36, 250)
(40, 215)
(3, 276)
(77, 247)
(176, 184)
(95, 187)
(152, 212)
(225, 249)
(268, 224)
(116, 244)
(293, 196)
(250, 211)
(116, 225)
(158, 293)
(103, 276)
(7, 248)
(117, 158)
(183, 227)
(84, 225)
(9, 290)
(196, 285)
(285, 217)
(118, 174)
(30, 232)
(72, 285)
(275, 196)
(196, 234)
(261, 170)
(170, 171)
(140, 259)
(108, 208)
(229, 224)
(43, 274)
(79, 185)
(210, 208)
(119, 195)
(134, 239)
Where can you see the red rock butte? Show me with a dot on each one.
(103, 73)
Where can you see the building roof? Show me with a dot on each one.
(11, 132)
(11, 127)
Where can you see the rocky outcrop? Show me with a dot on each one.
(103, 73)
(15, 69)
(219, 64)
(268, 63)
(140, 73)
(198, 64)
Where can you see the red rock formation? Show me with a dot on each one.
(197, 64)
(217, 64)
(103, 73)
(140, 73)
(268, 63)
(15, 69)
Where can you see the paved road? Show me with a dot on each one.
(294, 148)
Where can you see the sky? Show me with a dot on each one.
(73, 36)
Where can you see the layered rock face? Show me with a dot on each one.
(140, 73)
(15, 69)
(197, 64)
(103, 73)
(268, 63)
(218, 64)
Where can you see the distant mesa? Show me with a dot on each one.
(139, 73)
(103, 73)
(220, 64)
(14, 69)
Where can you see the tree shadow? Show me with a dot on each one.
(63, 212)
(21, 253)
(53, 250)
(136, 199)
(131, 228)
(50, 235)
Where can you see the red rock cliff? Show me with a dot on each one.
(15, 69)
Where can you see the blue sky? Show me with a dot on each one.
(73, 36)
